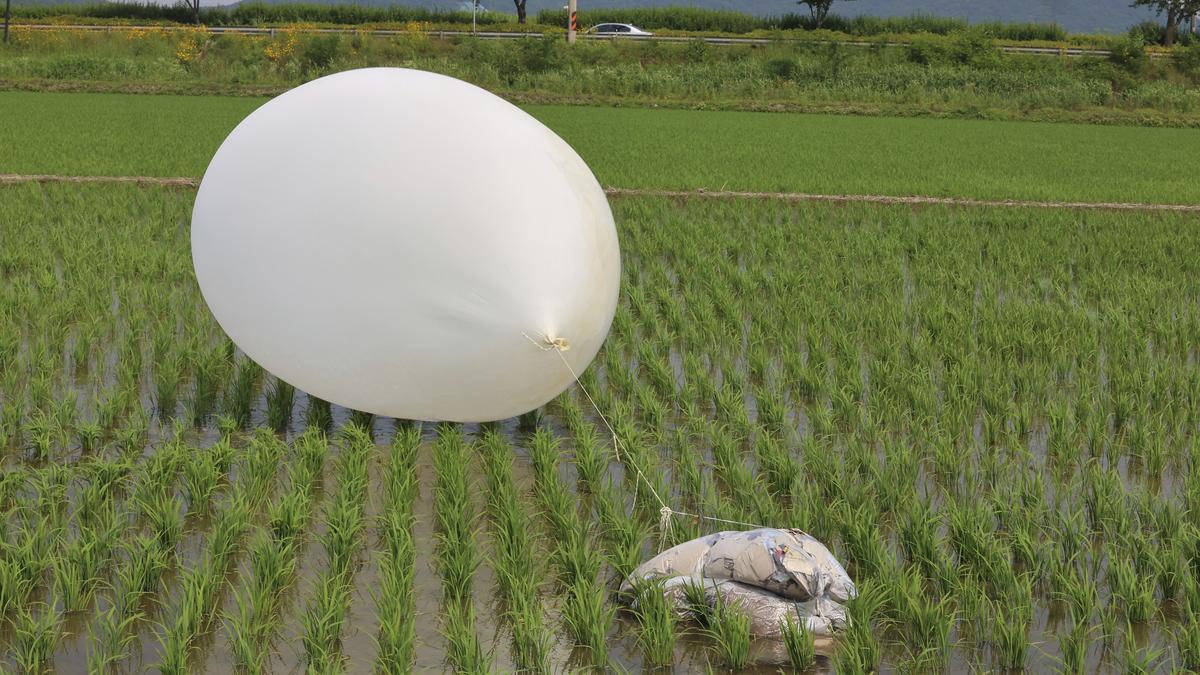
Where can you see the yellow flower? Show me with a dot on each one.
(283, 46)
(191, 46)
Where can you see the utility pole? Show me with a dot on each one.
(474, 10)
(572, 20)
(8, 14)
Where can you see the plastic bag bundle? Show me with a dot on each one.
(772, 573)
(790, 563)
(766, 610)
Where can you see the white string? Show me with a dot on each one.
(665, 512)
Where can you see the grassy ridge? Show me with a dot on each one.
(108, 134)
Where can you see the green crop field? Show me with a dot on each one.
(990, 415)
(160, 135)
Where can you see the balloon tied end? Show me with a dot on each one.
(548, 343)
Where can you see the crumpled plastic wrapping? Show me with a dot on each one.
(771, 573)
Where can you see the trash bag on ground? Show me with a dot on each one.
(771, 573)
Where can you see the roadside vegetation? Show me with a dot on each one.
(962, 74)
(664, 20)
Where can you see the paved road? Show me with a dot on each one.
(490, 35)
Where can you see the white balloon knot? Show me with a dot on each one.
(561, 344)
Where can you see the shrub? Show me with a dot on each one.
(974, 48)
(1130, 55)
(1148, 32)
(318, 52)
(696, 51)
(538, 55)
(783, 69)
(925, 52)
(1187, 60)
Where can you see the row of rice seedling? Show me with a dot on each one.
(345, 525)
(518, 568)
(202, 586)
(395, 598)
(258, 602)
(457, 552)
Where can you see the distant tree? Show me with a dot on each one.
(1175, 10)
(819, 9)
(520, 10)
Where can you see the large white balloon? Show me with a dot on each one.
(392, 240)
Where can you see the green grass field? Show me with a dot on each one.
(989, 414)
(116, 134)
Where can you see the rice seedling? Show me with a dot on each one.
(210, 368)
(318, 414)
(454, 514)
(168, 378)
(36, 634)
(518, 572)
(76, 573)
(1135, 659)
(322, 623)
(239, 398)
(1073, 646)
(325, 615)
(281, 398)
(858, 652)
(395, 598)
(926, 621)
(110, 637)
(729, 628)
(1131, 591)
(656, 623)
(588, 616)
(799, 642)
(165, 517)
(1187, 642)
(1011, 630)
(145, 561)
(201, 474)
(464, 653)
(363, 420)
